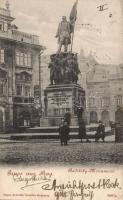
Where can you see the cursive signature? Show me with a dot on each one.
(77, 188)
(31, 179)
(70, 189)
(79, 184)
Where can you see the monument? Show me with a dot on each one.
(64, 95)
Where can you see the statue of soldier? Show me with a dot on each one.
(76, 69)
(52, 70)
(67, 75)
(57, 71)
(63, 34)
(62, 64)
(71, 67)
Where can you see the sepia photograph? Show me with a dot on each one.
(61, 99)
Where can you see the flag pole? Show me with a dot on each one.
(72, 38)
(73, 29)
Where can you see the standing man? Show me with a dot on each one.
(64, 132)
(61, 130)
(82, 131)
(64, 34)
(100, 132)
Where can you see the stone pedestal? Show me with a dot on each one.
(61, 99)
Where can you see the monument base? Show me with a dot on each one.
(62, 99)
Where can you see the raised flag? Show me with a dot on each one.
(73, 15)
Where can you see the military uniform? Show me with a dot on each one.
(64, 34)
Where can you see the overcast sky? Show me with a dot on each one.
(103, 37)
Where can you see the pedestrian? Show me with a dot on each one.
(82, 131)
(113, 126)
(64, 133)
(61, 129)
(67, 118)
(100, 133)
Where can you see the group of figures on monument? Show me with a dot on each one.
(64, 68)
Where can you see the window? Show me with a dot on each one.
(29, 60)
(19, 90)
(56, 111)
(17, 76)
(1, 26)
(106, 101)
(27, 91)
(23, 59)
(101, 103)
(29, 78)
(5, 26)
(1, 55)
(1, 89)
(67, 109)
(119, 100)
(36, 91)
(17, 58)
(91, 102)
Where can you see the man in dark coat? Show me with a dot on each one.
(82, 131)
(67, 118)
(64, 133)
(100, 132)
(61, 129)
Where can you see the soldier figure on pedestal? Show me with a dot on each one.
(63, 34)
(64, 70)
(52, 70)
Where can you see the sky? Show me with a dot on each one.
(103, 37)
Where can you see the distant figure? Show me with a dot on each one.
(82, 131)
(80, 111)
(113, 126)
(63, 34)
(64, 133)
(100, 132)
(61, 129)
(67, 118)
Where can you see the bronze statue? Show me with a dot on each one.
(64, 34)
(64, 68)
(52, 70)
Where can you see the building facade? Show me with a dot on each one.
(104, 95)
(19, 64)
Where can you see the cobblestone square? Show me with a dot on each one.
(50, 152)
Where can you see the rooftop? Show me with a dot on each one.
(8, 30)
(20, 36)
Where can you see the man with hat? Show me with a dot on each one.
(100, 132)
(63, 34)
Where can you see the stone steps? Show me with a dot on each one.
(29, 136)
